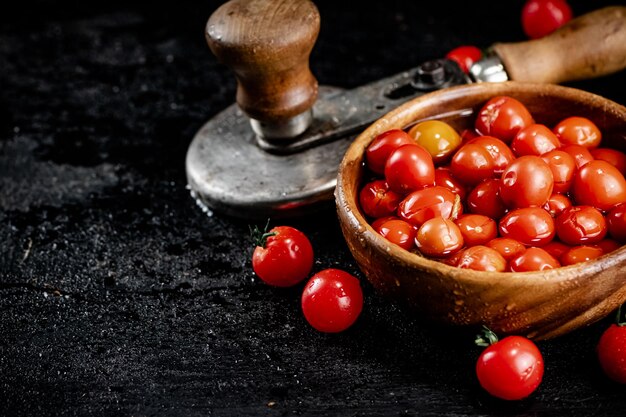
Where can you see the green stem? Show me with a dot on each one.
(258, 236)
(486, 337)
(618, 319)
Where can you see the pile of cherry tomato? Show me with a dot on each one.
(508, 195)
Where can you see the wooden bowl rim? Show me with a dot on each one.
(346, 199)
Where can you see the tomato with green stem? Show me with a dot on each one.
(511, 368)
(283, 256)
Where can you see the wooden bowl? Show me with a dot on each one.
(539, 305)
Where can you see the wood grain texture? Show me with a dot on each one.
(267, 44)
(538, 304)
(589, 46)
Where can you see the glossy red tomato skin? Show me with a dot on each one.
(608, 245)
(527, 182)
(423, 205)
(542, 17)
(332, 300)
(579, 225)
(510, 369)
(535, 139)
(377, 200)
(438, 238)
(382, 146)
(581, 155)
(485, 199)
(286, 258)
(500, 152)
(378, 222)
(471, 164)
(612, 156)
(563, 167)
(616, 222)
(508, 248)
(532, 226)
(599, 184)
(409, 168)
(481, 258)
(399, 232)
(502, 117)
(578, 131)
(465, 56)
(477, 229)
(556, 249)
(533, 259)
(557, 203)
(444, 178)
(580, 254)
(611, 353)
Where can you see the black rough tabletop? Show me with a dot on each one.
(119, 296)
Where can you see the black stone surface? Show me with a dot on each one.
(118, 296)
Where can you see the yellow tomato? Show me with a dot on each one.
(439, 138)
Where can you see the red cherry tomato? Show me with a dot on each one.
(438, 138)
(285, 257)
(465, 56)
(439, 237)
(527, 182)
(377, 200)
(533, 259)
(477, 229)
(557, 203)
(500, 152)
(608, 245)
(612, 156)
(580, 225)
(399, 232)
(563, 168)
(379, 150)
(409, 168)
(378, 222)
(472, 163)
(535, 139)
(578, 131)
(485, 199)
(468, 134)
(556, 249)
(580, 154)
(580, 254)
(508, 248)
(332, 300)
(533, 226)
(599, 184)
(542, 17)
(616, 222)
(510, 369)
(481, 258)
(444, 178)
(503, 117)
(425, 204)
(611, 352)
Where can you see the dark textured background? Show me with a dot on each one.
(118, 296)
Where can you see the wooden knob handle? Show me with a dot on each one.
(589, 46)
(267, 44)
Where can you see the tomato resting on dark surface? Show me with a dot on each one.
(464, 56)
(510, 369)
(533, 195)
(542, 17)
(284, 258)
(332, 300)
(611, 351)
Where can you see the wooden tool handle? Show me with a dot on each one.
(267, 44)
(589, 46)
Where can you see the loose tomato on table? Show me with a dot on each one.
(465, 56)
(611, 352)
(283, 256)
(502, 117)
(332, 300)
(509, 369)
(409, 168)
(542, 17)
